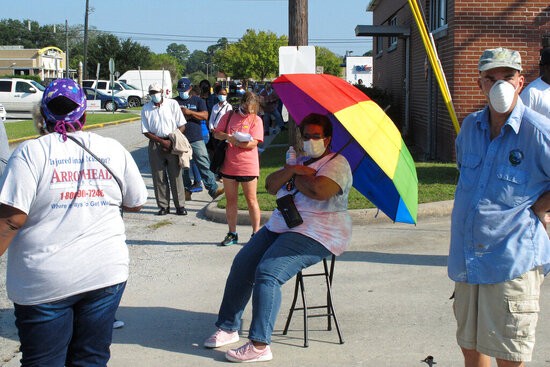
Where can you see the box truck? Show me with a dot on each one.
(142, 79)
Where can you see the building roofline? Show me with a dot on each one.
(382, 30)
(373, 4)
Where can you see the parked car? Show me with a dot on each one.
(2, 113)
(136, 97)
(108, 102)
(19, 96)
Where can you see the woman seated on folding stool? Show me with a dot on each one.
(276, 253)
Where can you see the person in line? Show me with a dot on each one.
(218, 110)
(499, 250)
(206, 94)
(242, 162)
(277, 253)
(537, 94)
(194, 109)
(160, 117)
(61, 224)
(269, 103)
(196, 186)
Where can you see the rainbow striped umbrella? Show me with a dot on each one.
(383, 169)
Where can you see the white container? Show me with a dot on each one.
(291, 156)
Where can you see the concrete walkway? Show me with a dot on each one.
(391, 295)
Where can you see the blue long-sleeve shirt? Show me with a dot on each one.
(495, 236)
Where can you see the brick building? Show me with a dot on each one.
(461, 29)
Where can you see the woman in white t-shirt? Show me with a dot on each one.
(276, 253)
(60, 217)
(219, 109)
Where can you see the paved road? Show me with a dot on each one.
(391, 294)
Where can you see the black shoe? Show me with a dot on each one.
(163, 211)
(181, 211)
(230, 239)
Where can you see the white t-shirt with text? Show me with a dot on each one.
(74, 239)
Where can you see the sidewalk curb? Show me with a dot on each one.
(358, 216)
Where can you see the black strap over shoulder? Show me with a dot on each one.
(104, 165)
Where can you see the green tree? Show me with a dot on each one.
(255, 55)
(127, 55)
(196, 62)
(133, 55)
(181, 53)
(166, 62)
(15, 32)
(219, 46)
(328, 60)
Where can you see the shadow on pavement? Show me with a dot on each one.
(389, 258)
(169, 329)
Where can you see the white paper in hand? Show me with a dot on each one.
(242, 137)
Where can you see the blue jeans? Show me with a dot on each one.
(267, 119)
(259, 270)
(195, 171)
(200, 156)
(75, 331)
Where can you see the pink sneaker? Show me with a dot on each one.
(249, 353)
(221, 338)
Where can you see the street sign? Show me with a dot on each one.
(111, 65)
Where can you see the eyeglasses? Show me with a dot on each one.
(307, 136)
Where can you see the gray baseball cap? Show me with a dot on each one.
(499, 58)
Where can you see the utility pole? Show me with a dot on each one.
(297, 36)
(86, 39)
(67, 48)
(297, 23)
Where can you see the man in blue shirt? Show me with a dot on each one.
(194, 109)
(500, 250)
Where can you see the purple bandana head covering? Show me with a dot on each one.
(63, 104)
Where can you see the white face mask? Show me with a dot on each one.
(314, 148)
(156, 98)
(222, 97)
(184, 95)
(501, 96)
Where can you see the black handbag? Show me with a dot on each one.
(289, 211)
(219, 153)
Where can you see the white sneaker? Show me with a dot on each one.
(221, 338)
(118, 324)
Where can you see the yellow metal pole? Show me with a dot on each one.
(434, 61)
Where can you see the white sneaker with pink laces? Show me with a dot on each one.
(221, 338)
(249, 353)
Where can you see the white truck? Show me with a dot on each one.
(142, 79)
(135, 96)
(19, 96)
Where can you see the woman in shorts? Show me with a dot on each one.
(243, 130)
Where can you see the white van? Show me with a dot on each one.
(142, 79)
(135, 96)
(19, 96)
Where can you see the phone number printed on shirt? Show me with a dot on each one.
(69, 195)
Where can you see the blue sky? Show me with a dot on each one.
(200, 23)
